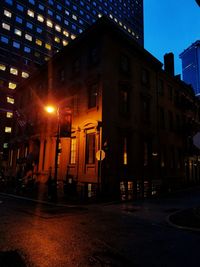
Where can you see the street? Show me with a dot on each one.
(126, 234)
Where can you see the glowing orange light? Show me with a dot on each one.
(50, 109)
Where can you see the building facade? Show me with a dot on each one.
(190, 66)
(32, 32)
(120, 101)
(198, 2)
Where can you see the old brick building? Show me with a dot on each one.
(120, 100)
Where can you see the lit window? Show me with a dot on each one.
(125, 157)
(56, 39)
(25, 74)
(5, 26)
(8, 129)
(12, 85)
(18, 32)
(49, 23)
(2, 67)
(73, 151)
(65, 42)
(14, 71)
(30, 13)
(16, 44)
(40, 18)
(7, 13)
(74, 17)
(48, 46)
(32, 2)
(9, 114)
(38, 42)
(10, 100)
(66, 33)
(5, 145)
(58, 28)
(73, 36)
(28, 37)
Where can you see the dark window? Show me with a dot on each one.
(124, 100)
(172, 157)
(19, 20)
(178, 123)
(124, 64)
(27, 49)
(76, 66)
(171, 121)
(20, 8)
(90, 148)
(170, 93)
(16, 44)
(160, 87)
(41, 7)
(146, 109)
(162, 118)
(61, 75)
(92, 95)
(10, 2)
(29, 25)
(145, 77)
(94, 55)
(39, 30)
(4, 39)
(44, 154)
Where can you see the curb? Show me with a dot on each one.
(180, 227)
(40, 201)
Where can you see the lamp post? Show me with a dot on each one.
(51, 109)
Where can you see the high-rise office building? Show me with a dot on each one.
(198, 2)
(191, 66)
(32, 31)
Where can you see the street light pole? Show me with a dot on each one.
(56, 156)
(53, 182)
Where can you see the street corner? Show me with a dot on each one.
(188, 219)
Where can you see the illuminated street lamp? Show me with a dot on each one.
(52, 109)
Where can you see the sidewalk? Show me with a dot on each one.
(40, 195)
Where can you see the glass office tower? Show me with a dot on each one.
(191, 66)
(31, 31)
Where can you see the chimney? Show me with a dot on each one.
(169, 63)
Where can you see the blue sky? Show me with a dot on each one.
(170, 26)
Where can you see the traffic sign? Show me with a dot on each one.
(100, 155)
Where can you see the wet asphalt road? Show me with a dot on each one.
(132, 234)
